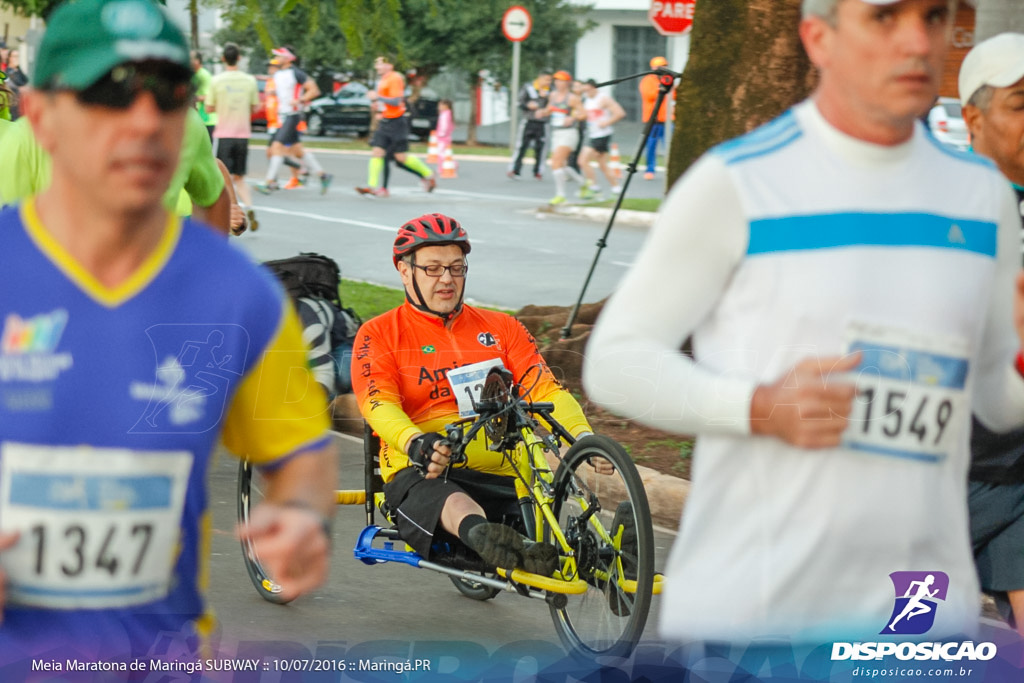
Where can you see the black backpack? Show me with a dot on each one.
(316, 276)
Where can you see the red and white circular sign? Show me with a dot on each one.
(516, 23)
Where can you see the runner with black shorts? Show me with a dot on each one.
(392, 135)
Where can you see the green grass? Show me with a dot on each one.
(370, 300)
(631, 204)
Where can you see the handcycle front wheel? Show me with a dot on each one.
(606, 521)
(250, 494)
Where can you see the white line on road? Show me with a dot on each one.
(343, 221)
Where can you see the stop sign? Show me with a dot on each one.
(671, 18)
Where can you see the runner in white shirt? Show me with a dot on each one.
(602, 113)
(849, 287)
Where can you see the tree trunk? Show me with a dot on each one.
(474, 110)
(193, 13)
(998, 16)
(746, 67)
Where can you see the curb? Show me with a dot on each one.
(643, 219)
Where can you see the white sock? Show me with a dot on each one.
(559, 174)
(275, 165)
(311, 161)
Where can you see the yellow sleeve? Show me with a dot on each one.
(279, 409)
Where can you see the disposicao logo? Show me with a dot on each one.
(917, 599)
(917, 596)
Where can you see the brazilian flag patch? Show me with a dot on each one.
(429, 348)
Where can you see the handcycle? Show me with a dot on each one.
(600, 594)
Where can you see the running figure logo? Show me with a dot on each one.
(917, 594)
(196, 367)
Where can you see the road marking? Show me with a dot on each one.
(343, 221)
(621, 263)
(485, 195)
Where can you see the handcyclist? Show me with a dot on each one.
(400, 374)
(849, 286)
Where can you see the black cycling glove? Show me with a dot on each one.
(421, 449)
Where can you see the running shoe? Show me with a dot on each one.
(429, 184)
(556, 200)
(648, 176)
(513, 175)
(628, 549)
(254, 224)
(325, 182)
(615, 189)
(503, 546)
(538, 176)
(373, 192)
(587, 191)
(268, 187)
(292, 183)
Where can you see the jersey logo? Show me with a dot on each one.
(956, 235)
(194, 377)
(28, 347)
(486, 338)
(917, 594)
(429, 348)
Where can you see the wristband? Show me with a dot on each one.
(325, 522)
(1019, 363)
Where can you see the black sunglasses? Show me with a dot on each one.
(172, 89)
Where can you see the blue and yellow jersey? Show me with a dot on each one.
(112, 401)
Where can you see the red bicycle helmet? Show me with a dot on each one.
(430, 229)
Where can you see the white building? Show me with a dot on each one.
(623, 44)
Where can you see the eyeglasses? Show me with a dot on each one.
(437, 270)
(119, 88)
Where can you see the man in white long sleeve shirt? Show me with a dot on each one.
(849, 287)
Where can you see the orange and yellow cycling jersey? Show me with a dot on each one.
(392, 85)
(400, 377)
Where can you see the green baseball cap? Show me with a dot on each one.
(85, 39)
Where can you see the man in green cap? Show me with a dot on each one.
(125, 358)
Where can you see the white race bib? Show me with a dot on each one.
(467, 383)
(99, 527)
(911, 400)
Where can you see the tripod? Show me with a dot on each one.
(666, 79)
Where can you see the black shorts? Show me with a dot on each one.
(288, 133)
(417, 502)
(234, 152)
(392, 135)
(600, 145)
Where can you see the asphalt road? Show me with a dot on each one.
(522, 252)
(374, 611)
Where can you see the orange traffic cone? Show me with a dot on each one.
(448, 167)
(432, 148)
(616, 162)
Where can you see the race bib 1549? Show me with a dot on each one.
(911, 399)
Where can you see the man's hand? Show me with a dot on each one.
(291, 544)
(238, 225)
(7, 540)
(807, 407)
(430, 454)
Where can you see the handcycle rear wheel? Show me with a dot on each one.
(474, 590)
(250, 493)
(608, 619)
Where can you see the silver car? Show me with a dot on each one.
(947, 123)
